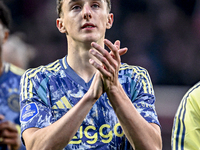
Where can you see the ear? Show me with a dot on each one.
(110, 21)
(6, 35)
(60, 25)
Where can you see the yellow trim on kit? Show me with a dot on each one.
(16, 70)
(18, 129)
(66, 102)
(60, 105)
(64, 64)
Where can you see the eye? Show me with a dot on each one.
(95, 5)
(76, 7)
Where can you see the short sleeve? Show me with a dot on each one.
(34, 110)
(142, 95)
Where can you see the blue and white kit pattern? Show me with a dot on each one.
(9, 93)
(49, 92)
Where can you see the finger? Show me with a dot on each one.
(8, 125)
(103, 60)
(11, 141)
(117, 44)
(113, 49)
(106, 59)
(101, 50)
(8, 134)
(121, 51)
(100, 68)
(7, 137)
(1, 117)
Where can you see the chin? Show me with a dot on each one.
(92, 38)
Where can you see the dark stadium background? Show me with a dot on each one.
(162, 36)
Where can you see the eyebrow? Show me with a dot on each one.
(71, 1)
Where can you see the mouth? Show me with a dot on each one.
(88, 25)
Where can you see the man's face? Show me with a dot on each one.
(86, 20)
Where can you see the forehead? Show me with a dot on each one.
(72, 1)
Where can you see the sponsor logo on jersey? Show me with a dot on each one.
(13, 102)
(29, 112)
(90, 134)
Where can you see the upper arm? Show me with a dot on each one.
(156, 127)
(28, 137)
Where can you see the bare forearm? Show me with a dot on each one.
(59, 134)
(140, 133)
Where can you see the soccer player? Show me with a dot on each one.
(186, 127)
(88, 99)
(9, 92)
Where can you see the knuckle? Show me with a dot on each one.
(105, 54)
(115, 65)
(103, 60)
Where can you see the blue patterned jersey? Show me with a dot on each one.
(49, 92)
(9, 93)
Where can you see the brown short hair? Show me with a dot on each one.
(5, 15)
(60, 2)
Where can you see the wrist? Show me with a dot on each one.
(92, 96)
(113, 89)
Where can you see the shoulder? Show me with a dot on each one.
(51, 68)
(138, 69)
(137, 76)
(134, 71)
(193, 93)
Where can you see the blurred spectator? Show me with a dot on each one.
(17, 52)
(10, 76)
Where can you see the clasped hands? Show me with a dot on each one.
(106, 77)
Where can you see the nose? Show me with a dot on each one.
(87, 12)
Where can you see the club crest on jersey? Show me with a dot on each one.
(13, 102)
(28, 112)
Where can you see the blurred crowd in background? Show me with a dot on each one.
(162, 36)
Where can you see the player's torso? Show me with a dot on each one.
(59, 89)
(9, 96)
(100, 128)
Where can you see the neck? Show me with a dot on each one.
(78, 59)
(1, 63)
